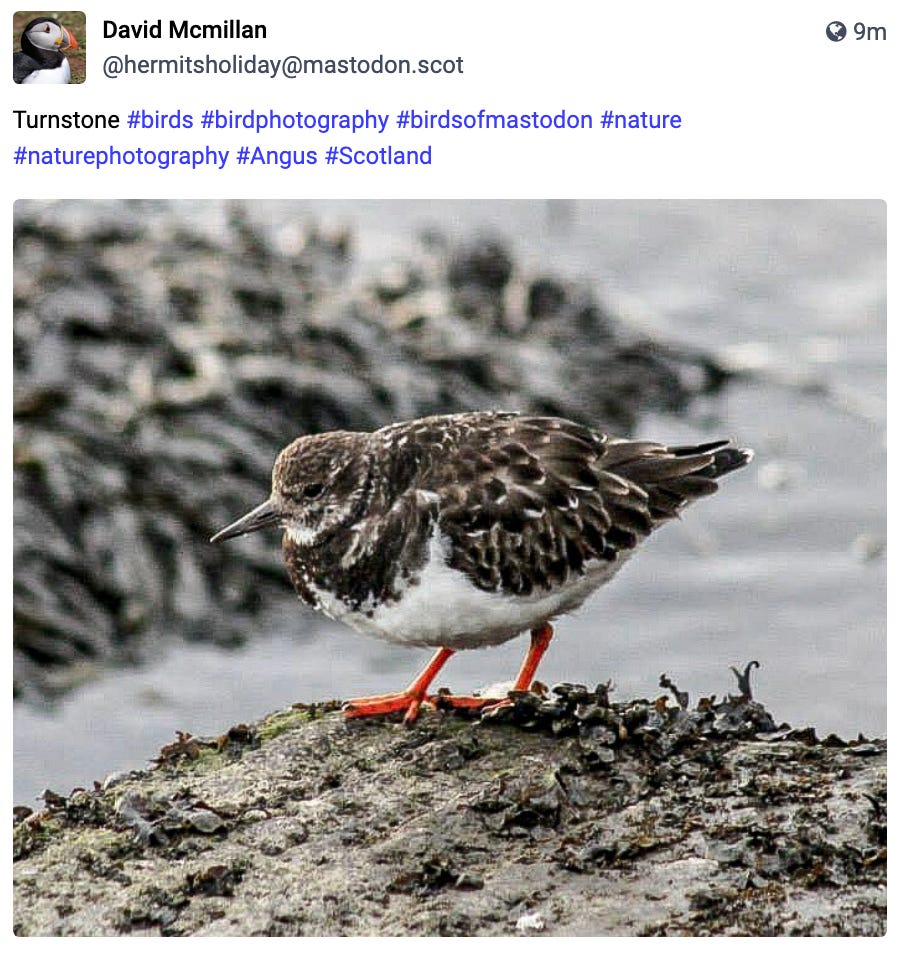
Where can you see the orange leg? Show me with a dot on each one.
(409, 700)
(414, 695)
(540, 637)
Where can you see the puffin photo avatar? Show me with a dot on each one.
(47, 49)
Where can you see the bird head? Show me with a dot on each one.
(319, 484)
(48, 34)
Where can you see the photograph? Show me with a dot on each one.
(492, 567)
(46, 48)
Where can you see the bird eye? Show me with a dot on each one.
(312, 491)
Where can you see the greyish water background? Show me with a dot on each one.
(785, 565)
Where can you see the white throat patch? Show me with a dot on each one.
(302, 536)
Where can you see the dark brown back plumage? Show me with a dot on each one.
(529, 502)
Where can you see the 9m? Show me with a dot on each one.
(865, 32)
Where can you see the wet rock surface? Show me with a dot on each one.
(163, 356)
(570, 815)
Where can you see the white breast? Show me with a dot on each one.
(58, 75)
(446, 609)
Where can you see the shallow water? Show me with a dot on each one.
(785, 565)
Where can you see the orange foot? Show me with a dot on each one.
(486, 705)
(409, 700)
(540, 637)
(444, 700)
(410, 704)
(385, 705)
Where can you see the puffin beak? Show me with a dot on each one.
(71, 43)
(266, 515)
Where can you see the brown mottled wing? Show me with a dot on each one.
(528, 503)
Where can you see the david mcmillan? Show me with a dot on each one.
(184, 30)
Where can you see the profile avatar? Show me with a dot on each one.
(42, 59)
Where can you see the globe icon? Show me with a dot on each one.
(836, 31)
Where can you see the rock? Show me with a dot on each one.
(308, 824)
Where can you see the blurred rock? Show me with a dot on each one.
(164, 353)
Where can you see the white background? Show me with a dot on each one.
(770, 108)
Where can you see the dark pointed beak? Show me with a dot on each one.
(266, 515)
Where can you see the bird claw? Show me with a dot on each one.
(371, 706)
(374, 706)
(446, 701)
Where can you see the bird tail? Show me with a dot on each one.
(675, 476)
(726, 458)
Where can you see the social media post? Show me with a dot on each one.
(449, 471)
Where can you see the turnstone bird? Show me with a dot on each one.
(465, 530)
(41, 59)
